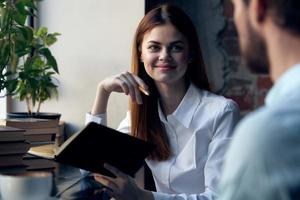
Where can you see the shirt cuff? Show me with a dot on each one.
(99, 119)
(161, 196)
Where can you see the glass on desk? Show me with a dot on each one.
(69, 183)
(27, 185)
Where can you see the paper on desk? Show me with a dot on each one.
(46, 151)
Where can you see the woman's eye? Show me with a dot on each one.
(153, 48)
(177, 48)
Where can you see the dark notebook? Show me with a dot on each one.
(96, 144)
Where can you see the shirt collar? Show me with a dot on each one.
(286, 86)
(185, 111)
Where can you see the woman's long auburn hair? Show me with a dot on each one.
(145, 121)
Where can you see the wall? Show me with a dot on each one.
(2, 105)
(95, 43)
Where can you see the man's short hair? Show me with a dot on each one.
(286, 13)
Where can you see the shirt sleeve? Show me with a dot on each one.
(236, 172)
(221, 137)
(99, 119)
(222, 129)
(209, 195)
(123, 127)
(264, 158)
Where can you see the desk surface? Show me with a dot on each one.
(71, 184)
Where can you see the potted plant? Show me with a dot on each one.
(27, 65)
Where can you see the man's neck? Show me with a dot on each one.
(283, 51)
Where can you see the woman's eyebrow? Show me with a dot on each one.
(177, 42)
(172, 43)
(153, 42)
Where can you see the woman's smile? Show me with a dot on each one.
(164, 52)
(165, 67)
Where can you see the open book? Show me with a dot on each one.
(95, 145)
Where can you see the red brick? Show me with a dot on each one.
(264, 82)
(260, 98)
(231, 46)
(230, 30)
(228, 9)
(245, 102)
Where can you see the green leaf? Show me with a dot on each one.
(50, 39)
(20, 18)
(5, 18)
(22, 39)
(50, 73)
(56, 34)
(11, 86)
(29, 3)
(5, 52)
(27, 33)
(21, 8)
(37, 63)
(51, 61)
(42, 32)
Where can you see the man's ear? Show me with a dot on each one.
(260, 10)
(257, 12)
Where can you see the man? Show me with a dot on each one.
(263, 161)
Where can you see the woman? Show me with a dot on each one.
(190, 126)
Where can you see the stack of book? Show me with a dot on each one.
(37, 163)
(13, 147)
(38, 132)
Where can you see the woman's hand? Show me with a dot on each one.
(123, 187)
(127, 83)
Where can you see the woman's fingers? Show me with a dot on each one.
(135, 87)
(143, 85)
(123, 84)
(131, 85)
(128, 83)
(115, 186)
(106, 181)
(121, 187)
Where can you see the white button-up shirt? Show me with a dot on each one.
(263, 162)
(199, 131)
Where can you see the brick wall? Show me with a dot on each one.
(246, 88)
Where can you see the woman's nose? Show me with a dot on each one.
(164, 55)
